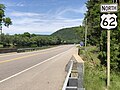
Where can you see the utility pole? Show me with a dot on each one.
(0, 32)
(85, 34)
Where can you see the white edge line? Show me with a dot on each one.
(31, 67)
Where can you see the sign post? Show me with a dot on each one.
(108, 22)
(108, 58)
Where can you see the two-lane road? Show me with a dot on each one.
(36, 70)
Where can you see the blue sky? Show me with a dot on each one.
(43, 16)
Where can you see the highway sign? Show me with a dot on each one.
(108, 21)
(108, 8)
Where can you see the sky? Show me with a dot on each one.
(43, 16)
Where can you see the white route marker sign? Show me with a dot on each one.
(108, 18)
(108, 21)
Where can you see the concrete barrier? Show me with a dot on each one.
(75, 69)
(80, 68)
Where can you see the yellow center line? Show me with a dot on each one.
(4, 55)
(18, 58)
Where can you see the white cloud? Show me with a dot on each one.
(17, 14)
(40, 28)
(10, 4)
(41, 22)
(81, 10)
(21, 4)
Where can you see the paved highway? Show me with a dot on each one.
(38, 70)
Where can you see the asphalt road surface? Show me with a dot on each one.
(38, 70)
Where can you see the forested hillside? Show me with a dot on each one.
(97, 37)
(70, 35)
(63, 36)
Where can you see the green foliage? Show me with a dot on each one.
(95, 72)
(98, 37)
(2, 8)
(94, 76)
(115, 81)
(70, 35)
(29, 40)
(5, 20)
(63, 36)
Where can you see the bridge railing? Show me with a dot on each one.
(25, 50)
(7, 50)
(74, 79)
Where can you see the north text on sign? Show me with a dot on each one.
(109, 8)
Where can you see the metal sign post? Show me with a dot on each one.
(108, 58)
(108, 22)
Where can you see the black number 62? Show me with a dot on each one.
(106, 23)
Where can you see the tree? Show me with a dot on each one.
(98, 37)
(26, 34)
(7, 21)
(4, 20)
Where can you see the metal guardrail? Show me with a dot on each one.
(25, 50)
(29, 49)
(7, 50)
(74, 79)
(19, 50)
(69, 66)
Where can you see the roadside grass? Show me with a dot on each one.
(1, 45)
(115, 81)
(95, 73)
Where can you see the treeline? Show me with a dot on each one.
(28, 40)
(70, 35)
(98, 37)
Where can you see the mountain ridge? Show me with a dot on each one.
(70, 35)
